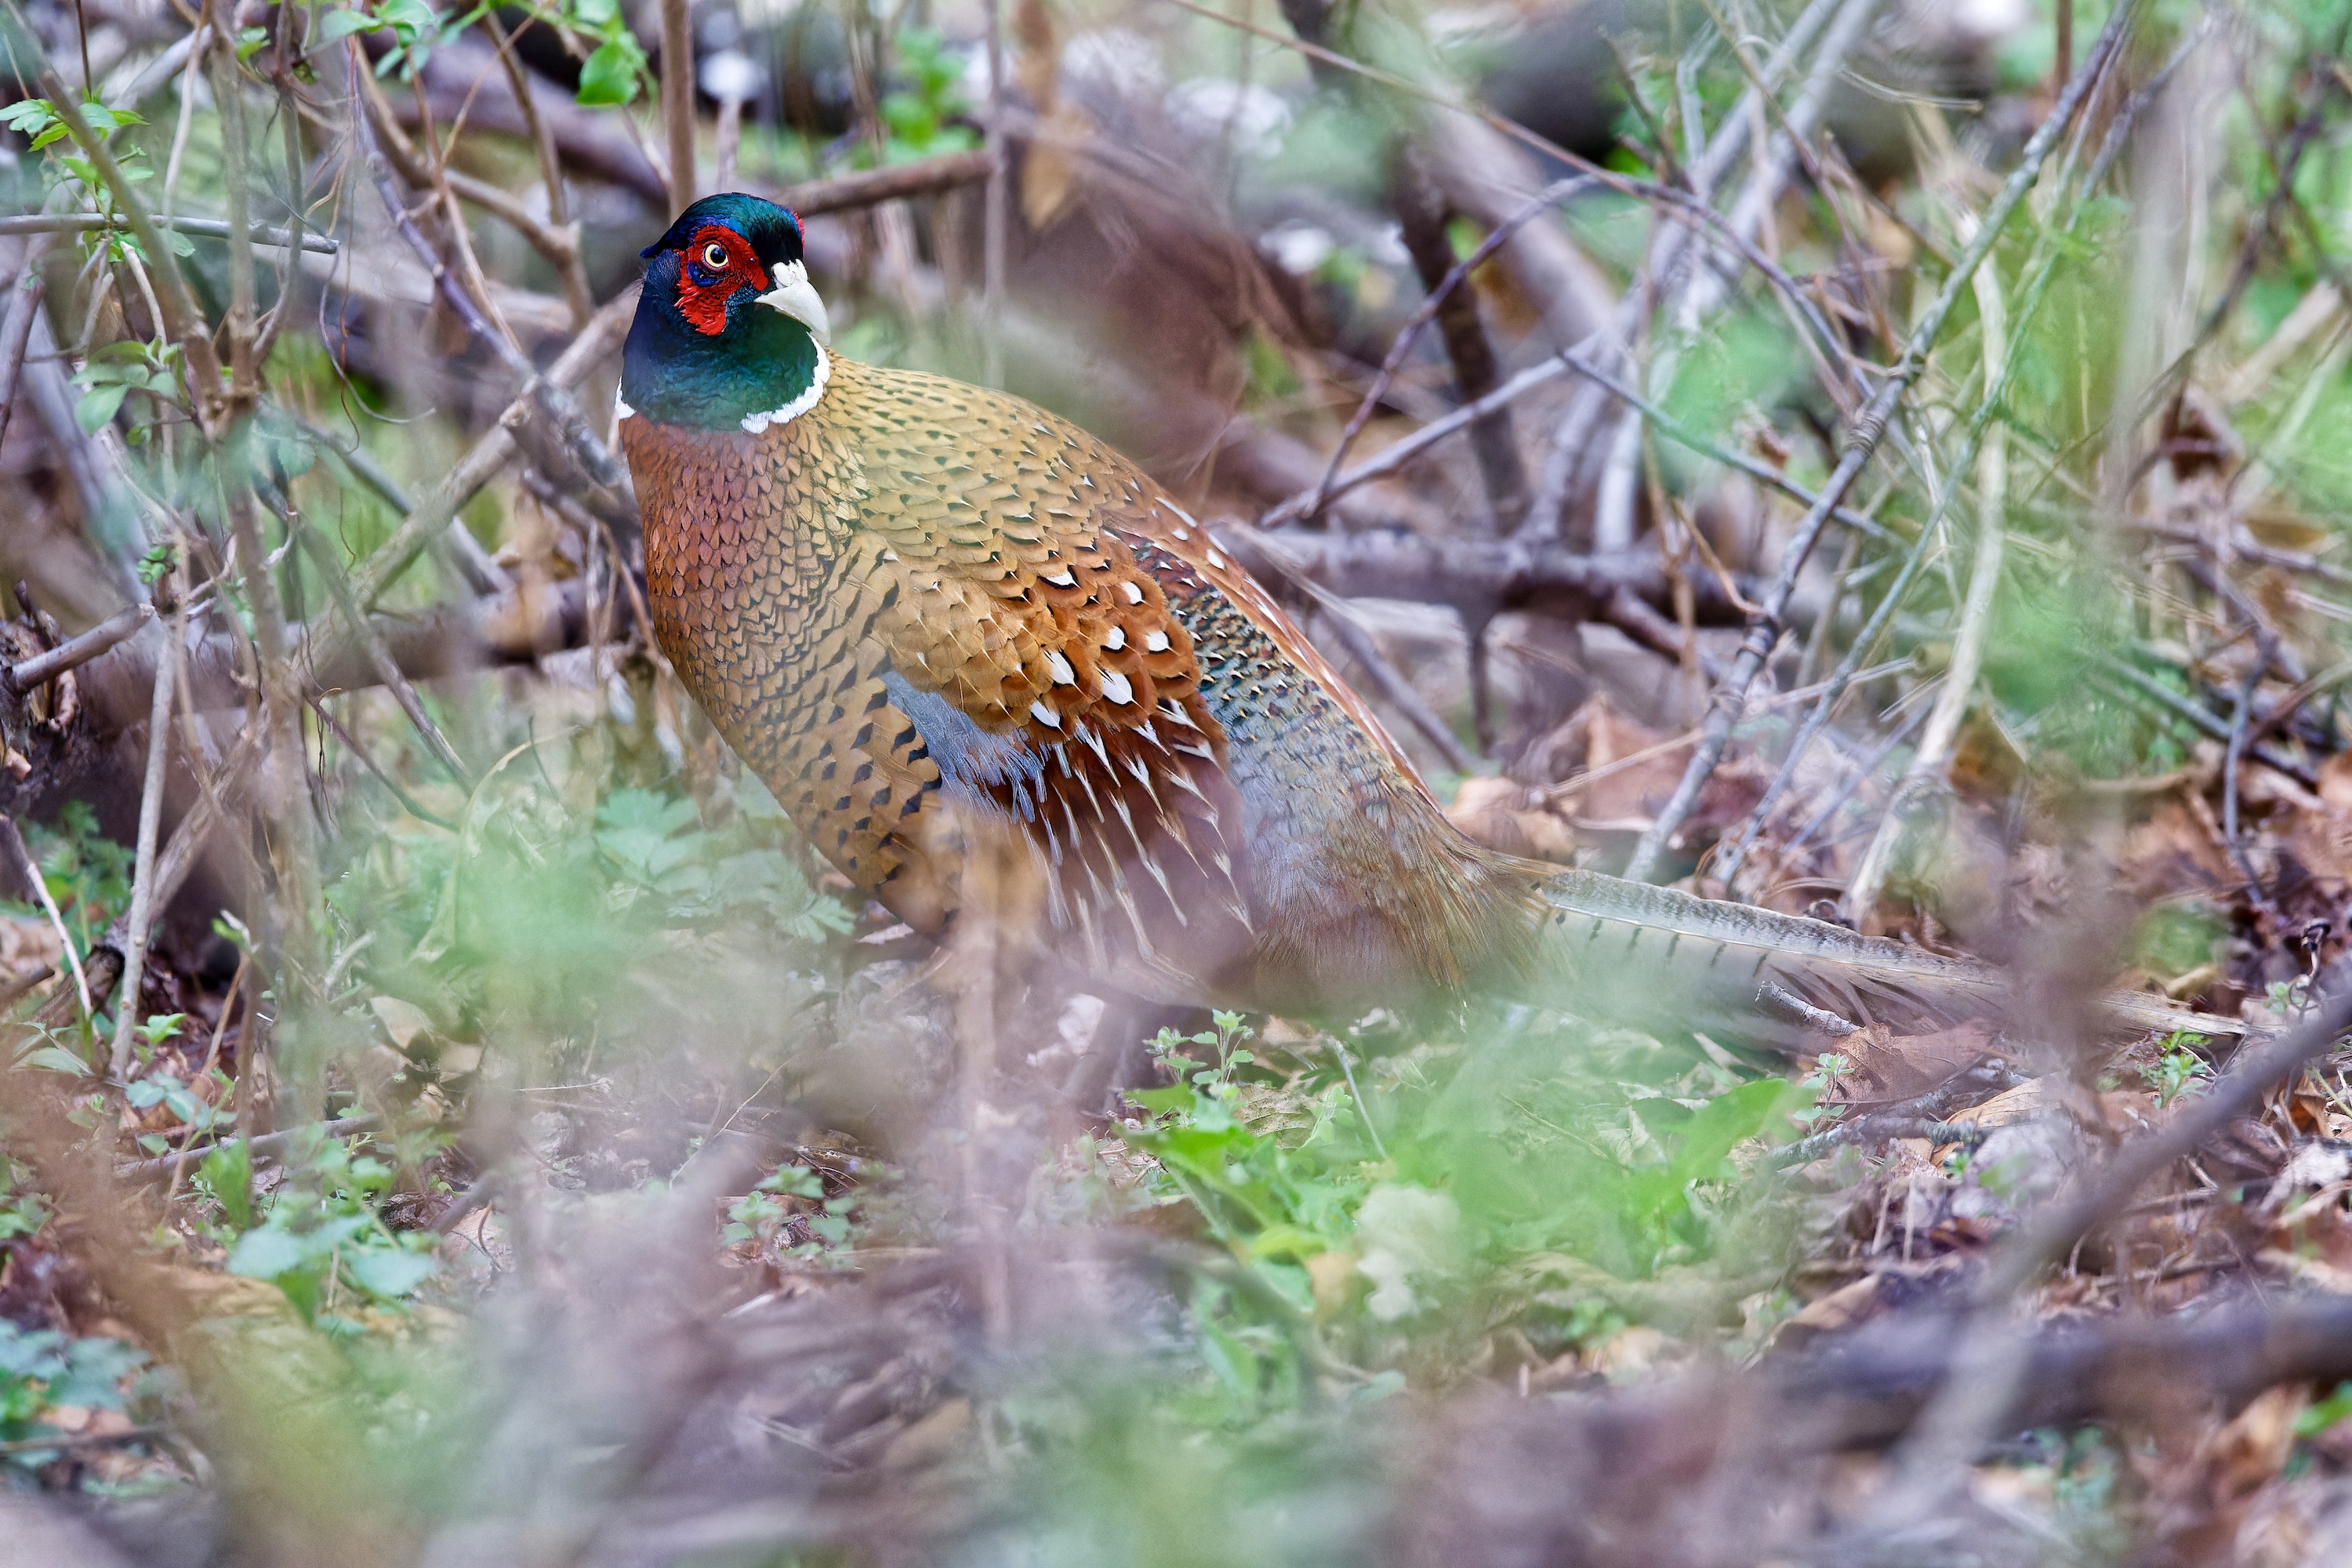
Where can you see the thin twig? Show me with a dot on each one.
(69, 1442)
(330, 569)
(17, 328)
(1397, 453)
(492, 452)
(559, 231)
(2043, 271)
(408, 803)
(142, 880)
(12, 846)
(1392, 685)
(1928, 763)
(870, 187)
(207, 228)
(267, 1144)
(1987, 1366)
(1764, 634)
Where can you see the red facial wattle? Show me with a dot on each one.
(714, 266)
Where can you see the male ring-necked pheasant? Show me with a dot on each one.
(913, 605)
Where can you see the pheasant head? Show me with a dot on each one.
(729, 332)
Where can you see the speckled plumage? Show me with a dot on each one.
(921, 593)
(922, 610)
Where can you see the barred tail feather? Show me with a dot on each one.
(1604, 938)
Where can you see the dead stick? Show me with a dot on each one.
(16, 332)
(996, 205)
(1927, 763)
(1989, 1367)
(497, 448)
(269, 1143)
(868, 187)
(339, 587)
(142, 880)
(74, 652)
(209, 227)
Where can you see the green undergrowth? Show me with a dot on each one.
(1504, 1200)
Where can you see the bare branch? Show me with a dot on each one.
(210, 228)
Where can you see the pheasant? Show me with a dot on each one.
(919, 609)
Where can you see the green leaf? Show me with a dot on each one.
(226, 1177)
(93, 1374)
(610, 76)
(57, 1059)
(343, 24)
(1162, 1102)
(266, 1254)
(388, 1273)
(1726, 1121)
(123, 351)
(250, 42)
(410, 18)
(98, 407)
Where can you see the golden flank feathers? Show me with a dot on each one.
(921, 593)
(919, 609)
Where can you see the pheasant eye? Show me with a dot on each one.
(714, 256)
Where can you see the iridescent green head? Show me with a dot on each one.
(729, 332)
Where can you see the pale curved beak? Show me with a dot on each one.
(796, 297)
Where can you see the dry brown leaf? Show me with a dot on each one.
(2017, 1103)
(404, 1021)
(1504, 814)
(1841, 1308)
(1882, 1068)
(2173, 851)
(1049, 171)
(2210, 1500)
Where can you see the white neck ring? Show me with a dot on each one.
(754, 424)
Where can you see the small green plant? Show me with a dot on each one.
(197, 1114)
(41, 1371)
(656, 844)
(23, 1212)
(2179, 1068)
(36, 119)
(318, 1236)
(414, 25)
(114, 371)
(87, 873)
(792, 1193)
(920, 112)
(2324, 1413)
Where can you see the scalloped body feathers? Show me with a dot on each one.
(920, 598)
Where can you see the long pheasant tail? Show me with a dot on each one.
(1628, 942)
